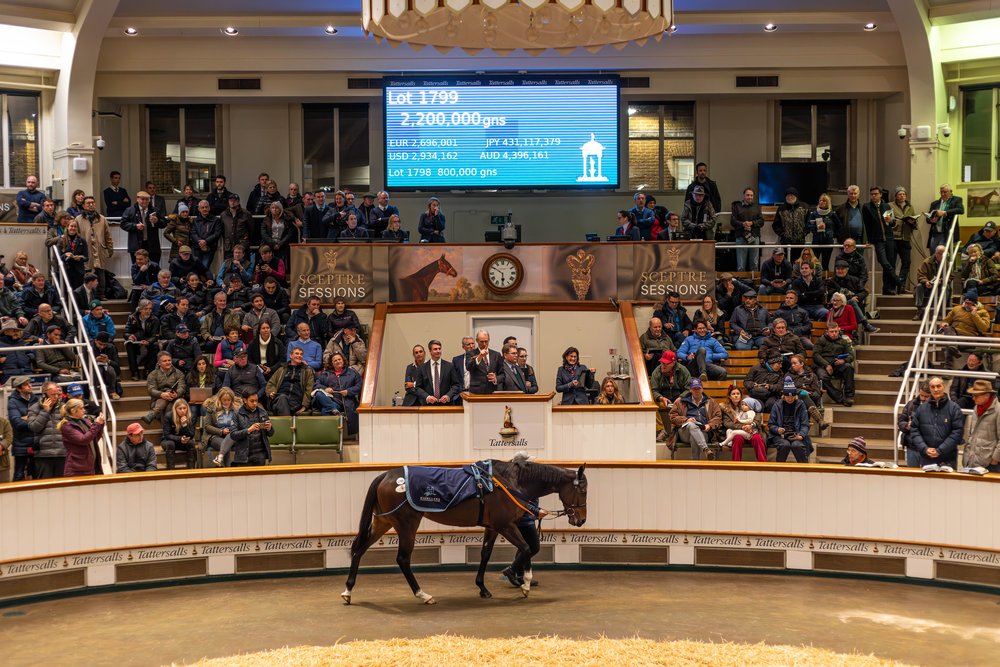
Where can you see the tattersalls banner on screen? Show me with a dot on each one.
(370, 273)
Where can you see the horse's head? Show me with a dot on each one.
(445, 267)
(573, 494)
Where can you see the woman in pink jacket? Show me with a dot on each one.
(80, 437)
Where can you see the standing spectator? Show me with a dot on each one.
(674, 317)
(732, 408)
(56, 231)
(926, 275)
(178, 230)
(824, 225)
(695, 416)
(698, 215)
(833, 357)
(250, 435)
(849, 213)
(6, 442)
(459, 363)
(116, 199)
(879, 223)
(432, 222)
(73, 249)
(47, 216)
(75, 207)
(315, 217)
(905, 423)
(165, 385)
(218, 198)
(290, 388)
(338, 390)
(573, 379)
(943, 211)
(788, 426)
(178, 434)
(142, 333)
(135, 453)
(982, 442)
(257, 192)
(439, 385)
(188, 198)
(378, 218)
(156, 202)
(43, 420)
(790, 221)
(937, 428)
(644, 218)
(277, 230)
(96, 232)
(80, 437)
(142, 222)
(23, 444)
(413, 377)
(526, 370)
(509, 378)
(205, 234)
(236, 226)
(701, 352)
(775, 274)
(749, 323)
(29, 201)
(711, 187)
(483, 366)
(905, 218)
(668, 381)
(747, 221)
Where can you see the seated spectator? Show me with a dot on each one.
(181, 314)
(810, 389)
(290, 387)
(674, 231)
(21, 270)
(225, 353)
(338, 390)
(694, 417)
(37, 328)
(969, 318)
(144, 273)
(75, 254)
(142, 334)
(10, 304)
(842, 315)
(201, 375)
(392, 230)
(712, 316)
(75, 390)
(14, 362)
(80, 436)
(266, 351)
(654, 342)
(165, 385)
(311, 314)
(668, 381)
(982, 443)
(97, 321)
(249, 437)
(676, 322)
(788, 426)
(108, 363)
(775, 274)
(526, 370)
(781, 343)
(796, 318)
(979, 272)
(269, 266)
(729, 293)
(178, 229)
(276, 298)
(627, 226)
(352, 347)
(698, 215)
(162, 294)
(238, 263)
(811, 293)
(573, 379)
(237, 294)
(926, 275)
(135, 453)
(610, 394)
(37, 293)
(857, 266)
(186, 263)
(735, 419)
(937, 428)
(197, 294)
(353, 230)
(311, 349)
(833, 357)
(220, 420)
(853, 290)
(218, 321)
(178, 434)
(960, 385)
(184, 349)
(258, 313)
(857, 452)
(806, 258)
(904, 421)
(764, 382)
(341, 317)
(58, 362)
(988, 241)
(749, 323)
(700, 351)
(43, 420)
(23, 439)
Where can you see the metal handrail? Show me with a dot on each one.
(88, 364)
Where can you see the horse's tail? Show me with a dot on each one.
(364, 528)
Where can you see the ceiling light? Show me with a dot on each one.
(330, 30)
(230, 31)
(632, 111)
(131, 31)
(770, 27)
(870, 26)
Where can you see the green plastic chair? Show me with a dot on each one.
(325, 432)
(284, 437)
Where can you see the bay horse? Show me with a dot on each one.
(417, 285)
(498, 512)
(983, 200)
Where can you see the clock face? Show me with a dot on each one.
(503, 273)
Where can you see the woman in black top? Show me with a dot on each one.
(74, 254)
(392, 231)
(266, 351)
(431, 225)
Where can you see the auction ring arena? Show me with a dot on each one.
(655, 560)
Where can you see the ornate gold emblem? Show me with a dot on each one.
(509, 431)
(673, 257)
(331, 259)
(579, 266)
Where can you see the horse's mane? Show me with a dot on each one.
(523, 471)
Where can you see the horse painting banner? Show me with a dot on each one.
(687, 268)
(333, 271)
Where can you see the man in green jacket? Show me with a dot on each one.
(668, 381)
(833, 357)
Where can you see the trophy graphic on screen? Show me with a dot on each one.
(593, 154)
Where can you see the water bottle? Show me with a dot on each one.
(397, 400)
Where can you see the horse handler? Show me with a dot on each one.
(513, 574)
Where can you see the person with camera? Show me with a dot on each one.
(43, 417)
(249, 436)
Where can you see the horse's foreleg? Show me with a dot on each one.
(378, 529)
(406, 540)
(489, 539)
(513, 535)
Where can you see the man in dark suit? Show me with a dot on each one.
(439, 385)
(942, 217)
(461, 373)
(510, 377)
(156, 202)
(673, 230)
(315, 224)
(878, 221)
(86, 293)
(116, 198)
(413, 377)
(484, 366)
(142, 222)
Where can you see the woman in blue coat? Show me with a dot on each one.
(573, 379)
(338, 389)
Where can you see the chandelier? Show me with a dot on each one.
(506, 25)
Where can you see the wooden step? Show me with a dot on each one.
(875, 415)
(854, 426)
(874, 398)
(879, 368)
(897, 325)
(895, 301)
(897, 353)
(888, 338)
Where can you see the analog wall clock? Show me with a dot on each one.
(502, 273)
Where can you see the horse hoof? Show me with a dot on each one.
(430, 601)
(525, 590)
(483, 593)
(425, 598)
(346, 596)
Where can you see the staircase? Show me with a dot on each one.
(871, 416)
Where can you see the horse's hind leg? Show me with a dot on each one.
(379, 528)
(513, 535)
(407, 537)
(489, 539)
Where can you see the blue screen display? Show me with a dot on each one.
(501, 132)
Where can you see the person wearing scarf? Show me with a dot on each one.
(825, 227)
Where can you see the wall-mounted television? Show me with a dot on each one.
(496, 132)
(773, 178)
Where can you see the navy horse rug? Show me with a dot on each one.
(439, 489)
